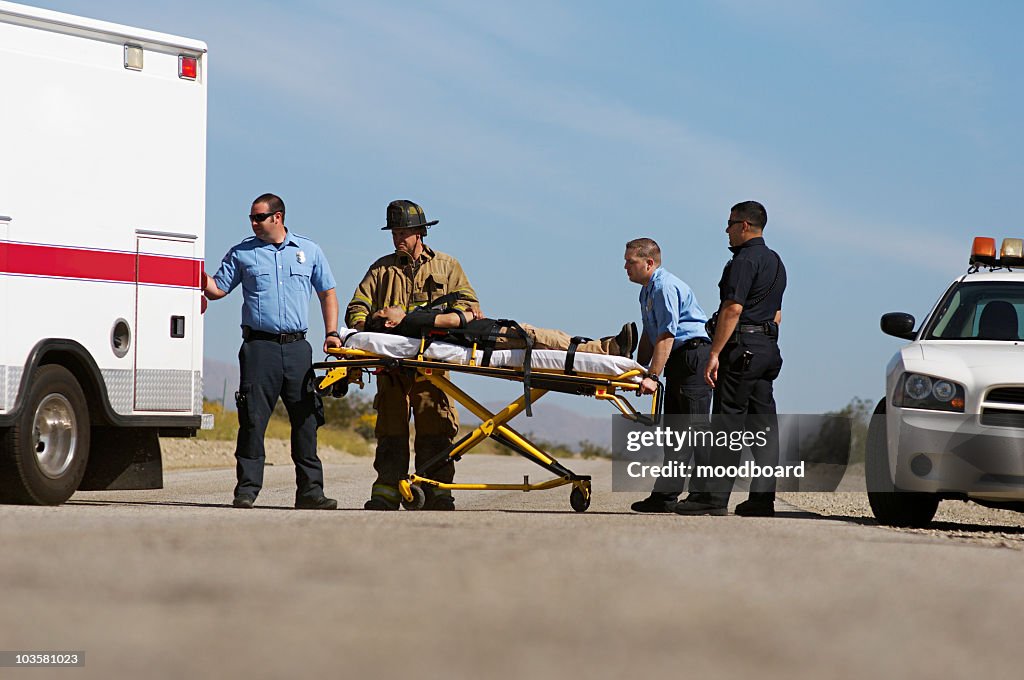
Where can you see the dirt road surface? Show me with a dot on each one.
(175, 583)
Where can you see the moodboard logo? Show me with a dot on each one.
(790, 452)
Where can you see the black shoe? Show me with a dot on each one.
(626, 341)
(378, 504)
(322, 503)
(691, 507)
(654, 503)
(755, 507)
(244, 501)
(440, 503)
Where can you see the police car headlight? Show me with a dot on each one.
(918, 387)
(943, 390)
(928, 392)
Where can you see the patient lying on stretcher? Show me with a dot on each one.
(465, 328)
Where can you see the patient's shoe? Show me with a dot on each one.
(626, 341)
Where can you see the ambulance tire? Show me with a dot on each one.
(890, 505)
(44, 454)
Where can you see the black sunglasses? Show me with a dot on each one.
(732, 222)
(259, 217)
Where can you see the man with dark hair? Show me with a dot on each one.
(473, 325)
(745, 358)
(412, 276)
(274, 203)
(673, 342)
(278, 270)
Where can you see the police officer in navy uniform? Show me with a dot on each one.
(278, 270)
(674, 344)
(745, 358)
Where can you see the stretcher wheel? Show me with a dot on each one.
(579, 499)
(419, 499)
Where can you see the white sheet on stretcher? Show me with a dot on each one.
(400, 347)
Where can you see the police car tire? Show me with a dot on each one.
(891, 506)
(21, 478)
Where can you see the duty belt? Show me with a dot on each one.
(692, 343)
(280, 338)
(766, 328)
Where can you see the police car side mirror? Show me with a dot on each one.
(898, 324)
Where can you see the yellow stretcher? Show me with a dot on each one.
(347, 364)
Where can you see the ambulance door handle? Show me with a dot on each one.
(5, 218)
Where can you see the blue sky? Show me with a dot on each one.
(881, 136)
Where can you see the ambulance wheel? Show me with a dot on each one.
(579, 500)
(419, 498)
(45, 452)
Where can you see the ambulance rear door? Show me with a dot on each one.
(166, 322)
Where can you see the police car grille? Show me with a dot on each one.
(1007, 395)
(1002, 417)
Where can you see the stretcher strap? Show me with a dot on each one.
(511, 328)
(528, 355)
(570, 354)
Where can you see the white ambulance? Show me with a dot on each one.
(102, 214)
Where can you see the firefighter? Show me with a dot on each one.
(278, 270)
(412, 276)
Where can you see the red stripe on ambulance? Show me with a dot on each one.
(27, 259)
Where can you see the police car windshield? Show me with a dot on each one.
(980, 310)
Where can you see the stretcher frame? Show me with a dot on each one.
(348, 364)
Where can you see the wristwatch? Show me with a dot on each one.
(333, 334)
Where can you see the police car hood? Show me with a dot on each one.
(977, 361)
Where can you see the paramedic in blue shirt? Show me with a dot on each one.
(673, 343)
(278, 270)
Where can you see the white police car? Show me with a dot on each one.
(951, 425)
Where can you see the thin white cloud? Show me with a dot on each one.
(381, 73)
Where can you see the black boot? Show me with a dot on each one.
(758, 504)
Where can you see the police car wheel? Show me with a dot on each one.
(45, 453)
(889, 504)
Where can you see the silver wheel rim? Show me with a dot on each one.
(54, 435)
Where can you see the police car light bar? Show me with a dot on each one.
(983, 251)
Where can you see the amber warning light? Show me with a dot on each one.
(1010, 255)
(188, 67)
(983, 251)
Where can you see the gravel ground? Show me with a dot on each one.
(955, 520)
